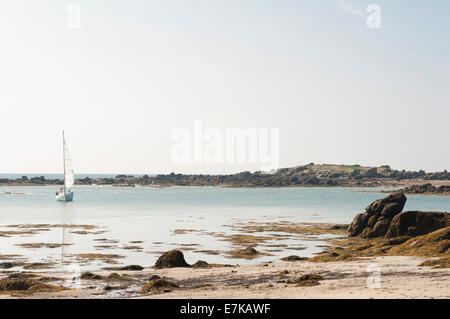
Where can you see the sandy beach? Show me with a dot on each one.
(400, 277)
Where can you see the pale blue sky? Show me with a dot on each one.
(136, 70)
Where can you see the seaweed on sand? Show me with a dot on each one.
(36, 266)
(93, 256)
(90, 276)
(127, 267)
(115, 277)
(435, 244)
(42, 245)
(26, 285)
(157, 286)
(293, 258)
(292, 228)
(307, 280)
(443, 262)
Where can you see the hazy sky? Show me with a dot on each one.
(338, 91)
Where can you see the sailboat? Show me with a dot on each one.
(64, 194)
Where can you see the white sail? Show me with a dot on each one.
(68, 167)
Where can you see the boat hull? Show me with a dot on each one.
(68, 197)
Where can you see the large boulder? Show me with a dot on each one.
(375, 221)
(171, 259)
(415, 223)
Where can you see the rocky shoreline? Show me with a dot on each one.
(310, 175)
(426, 189)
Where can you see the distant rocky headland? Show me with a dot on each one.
(426, 189)
(324, 175)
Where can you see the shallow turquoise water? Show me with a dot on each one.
(152, 214)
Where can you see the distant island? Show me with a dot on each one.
(311, 175)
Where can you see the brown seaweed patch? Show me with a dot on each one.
(42, 245)
(434, 244)
(207, 252)
(276, 245)
(109, 288)
(115, 277)
(10, 233)
(292, 228)
(185, 248)
(159, 285)
(132, 247)
(86, 227)
(247, 253)
(157, 252)
(430, 245)
(200, 264)
(9, 264)
(22, 275)
(307, 280)
(293, 258)
(240, 239)
(36, 266)
(308, 283)
(443, 262)
(84, 232)
(203, 286)
(329, 257)
(183, 231)
(107, 240)
(100, 247)
(97, 256)
(90, 276)
(128, 268)
(297, 248)
(10, 256)
(49, 279)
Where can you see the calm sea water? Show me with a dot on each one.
(151, 215)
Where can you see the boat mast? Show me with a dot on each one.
(64, 162)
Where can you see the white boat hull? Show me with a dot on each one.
(67, 197)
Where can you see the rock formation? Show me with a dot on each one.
(415, 223)
(384, 218)
(374, 222)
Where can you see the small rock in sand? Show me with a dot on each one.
(200, 264)
(170, 259)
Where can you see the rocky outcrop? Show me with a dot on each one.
(433, 244)
(416, 223)
(171, 259)
(384, 218)
(375, 221)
